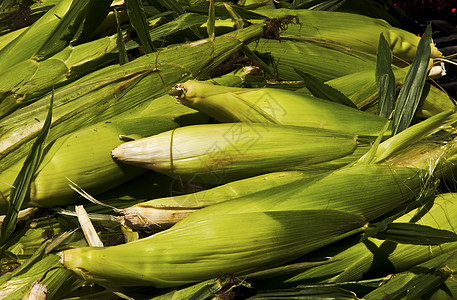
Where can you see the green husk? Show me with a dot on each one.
(84, 158)
(222, 248)
(376, 257)
(123, 58)
(164, 212)
(321, 90)
(420, 159)
(271, 105)
(411, 91)
(46, 271)
(385, 79)
(138, 20)
(114, 90)
(416, 134)
(352, 30)
(307, 292)
(7, 38)
(400, 185)
(218, 153)
(202, 289)
(36, 78)
(43, 37)
(23, 179)
(431, 280)
(325, 60)
(361, 88)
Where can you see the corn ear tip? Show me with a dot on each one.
(178, 91)
(117, 153)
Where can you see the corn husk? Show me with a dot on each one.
(46, 271)
(432, 279)
(401, 185)
(222, 248)
(30, 43)
(30, 79)
(376, 257)
(7, 38)
(325, 60)
(84, 158)
(271, 105)
(361, 88)
(164, 212)
(114, 90)
(352, 30)
(218, 153)
(37, 77)
(426, 159)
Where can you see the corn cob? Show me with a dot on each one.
(218, 153)
(351, 30)
(359, 258)
(401, 186)
(167, 105)
(164, 212)
(96, 173)
(325, 61)
(216, 252)
(311, 196)
(415, 175)
(270, 105)
(423, 155)
(405, 184)
(361, 88)
(114, 90)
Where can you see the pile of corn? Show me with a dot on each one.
(206, 150)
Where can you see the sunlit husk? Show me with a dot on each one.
(325, 61)
(235, 243)
(378, 257)
(163, 212)
(352, 30)
(84, 158)
(218, 153)
(113, 91)
(361, 88)
(400, 185)
(272, 105)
